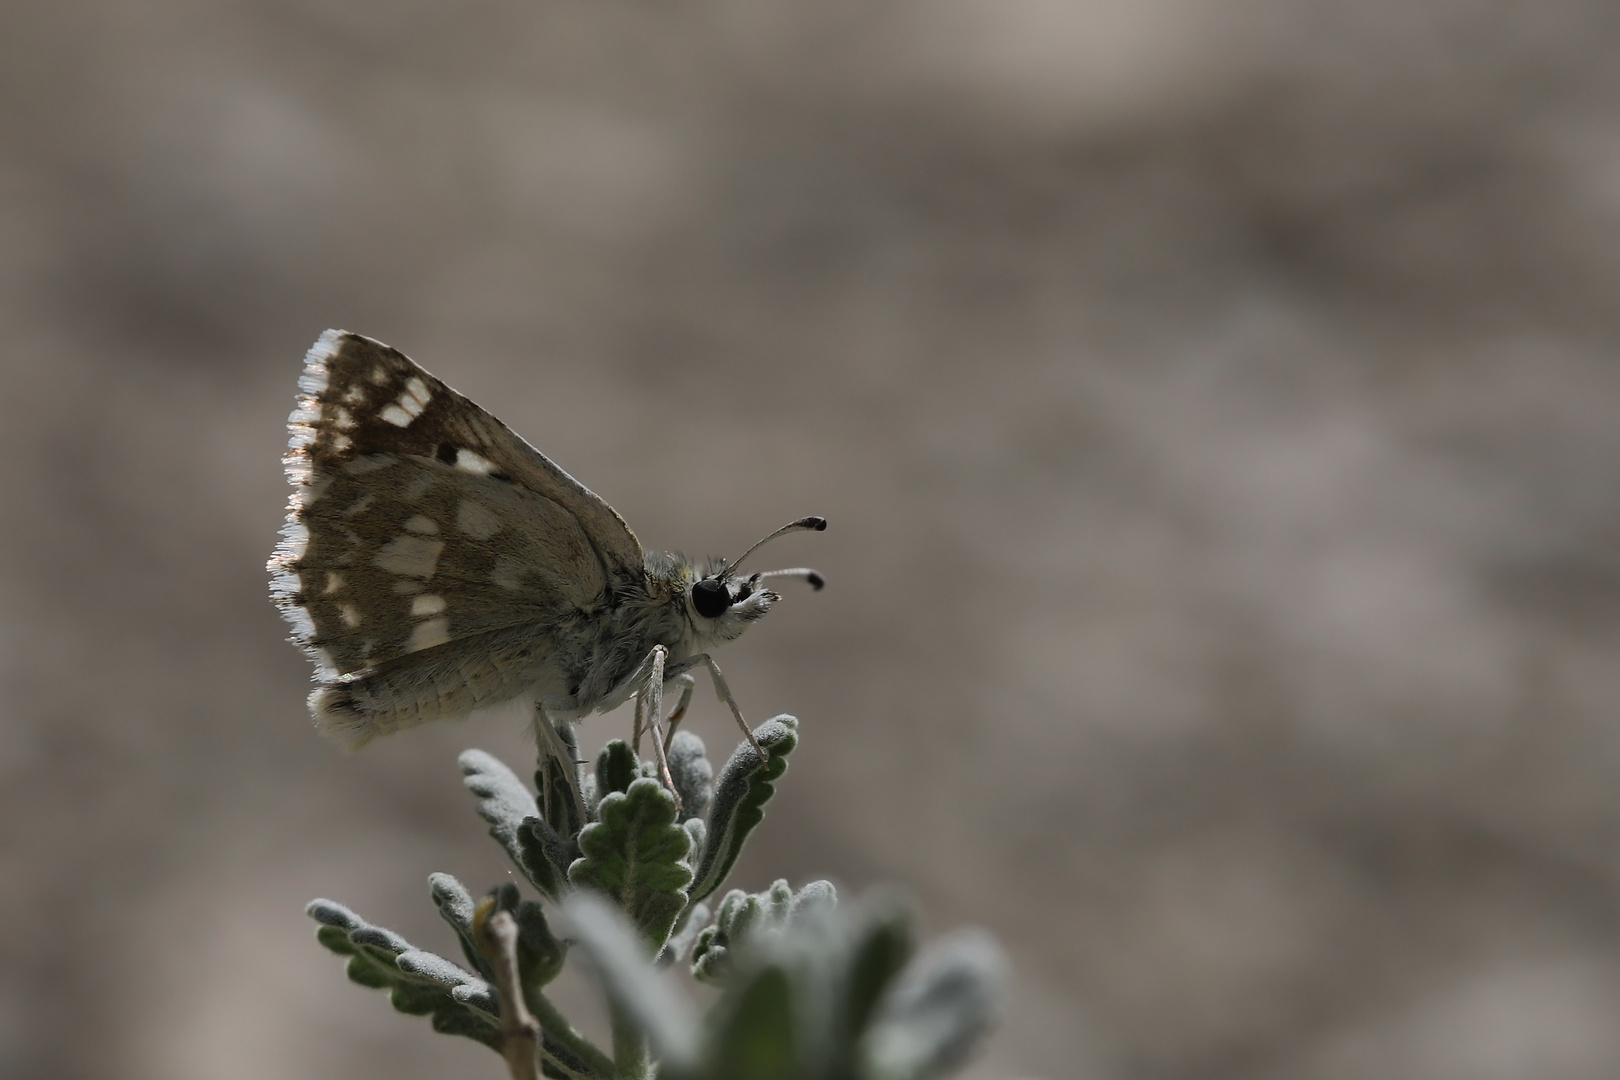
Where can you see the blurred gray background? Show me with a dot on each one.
(1215, 403)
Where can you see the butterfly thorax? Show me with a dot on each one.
(606, 646)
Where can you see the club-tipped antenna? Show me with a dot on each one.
(803, 573)
(813, 524)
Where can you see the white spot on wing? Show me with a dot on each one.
(417, 392)
(409, 405)
(349, 614)
(334, 582)
(379, 375)
(342, 419)
(355, 396)
(421, 524)
(508, 574)
(409, 556)
(474, 463)
(427, 604)
(477, 520)
(428, 634)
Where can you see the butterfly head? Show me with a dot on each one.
(721, 603)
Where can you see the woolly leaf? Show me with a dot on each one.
(503, 801)
(681, 941)
(741, 918)
(506, 804)
(937, 1012)
(711, 955)
(657, 1008)
(692, 773)
(455, 906)
(813, 901)
(331, 913)
(698, 830)
(740, 795)
(419, 983)
(634, 853)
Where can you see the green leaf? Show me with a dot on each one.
(754, 1038)
(938, 1011)
(334, 938)
(635, 854)
(546, 856)
(881, 941)
(561, 799)
(739, 802)
(616, 766)
(540, 955)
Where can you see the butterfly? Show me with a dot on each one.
(434, 563)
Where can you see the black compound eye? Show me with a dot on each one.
(710, 598)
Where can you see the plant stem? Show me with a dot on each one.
(629, 1046)
(560, 1031)
(497, 936)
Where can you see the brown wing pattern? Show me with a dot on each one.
(428, 551)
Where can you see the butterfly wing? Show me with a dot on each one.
(430, 555)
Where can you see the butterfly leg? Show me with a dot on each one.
(671, 722)
(654, 696)
(723, 692)
(640, 723)
(688, 684)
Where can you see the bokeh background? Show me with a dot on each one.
(1215, 403)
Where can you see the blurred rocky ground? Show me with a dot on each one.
(1215, 403)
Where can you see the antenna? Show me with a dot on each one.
(803, 573)
(814, 524)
